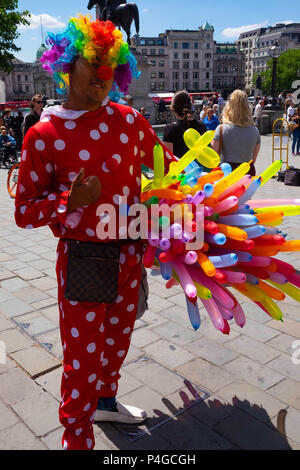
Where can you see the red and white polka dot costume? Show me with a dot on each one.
(110, 143)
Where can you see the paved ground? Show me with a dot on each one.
(239, 392)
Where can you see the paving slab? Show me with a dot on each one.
(8, 417)
(260, 376)
(258, 331)
(205, 374)
(16, 386)
(288, 391)
(51, 342)
(290, 327)
(253, 349)
(14, 340)
(18, 437)
(14, 284)
(14, 307)
(143, 337)
(283, 343)
(50, 382)
(35, 323)
(41, 415)
(53, 439)
(206, 349)
(284, 365)
(35, 360)
(290, 424)
(30, 295)
(176, 333)
(168, 353)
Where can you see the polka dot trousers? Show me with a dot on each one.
(95, 339)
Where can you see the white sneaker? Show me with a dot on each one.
(125, 414)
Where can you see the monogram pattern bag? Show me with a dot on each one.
(92, 272)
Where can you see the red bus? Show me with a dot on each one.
(15, 105)
(167, 97)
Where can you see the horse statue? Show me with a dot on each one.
(121, 13)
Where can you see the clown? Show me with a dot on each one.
(81, 155)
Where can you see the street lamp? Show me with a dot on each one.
(275, 53)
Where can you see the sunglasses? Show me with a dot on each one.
(39, 102)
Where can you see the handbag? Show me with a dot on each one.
(293, 126)
(92, 271)
(142, 305)
(292, 177)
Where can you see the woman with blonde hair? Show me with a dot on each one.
(237, 140)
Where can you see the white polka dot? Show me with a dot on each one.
(89, 443)
(136, 200)
(91, 348)
(103, 127)
(24, 155)
(133, 284)
(104, 362)
(104, 218)
(126, 191)
(130, 118)
(74, 332)
(23, 209)
(90, 316)
(113, 373)
(61, 209)
(65, 445)
(40, 145)
(124, 138)
(127, 331)
(74, 394)
(134, 112)
(62, 188)
(109, 110)
(93, 416)
(121, 353)
(141, 135)
(110, 341)
(76, 364)
(138, 181)
(131, 170)
(92, 378)
(73, 302)
(95, 135)
(122, 258)
(130, 308)
(59, 144)
(46, 119)
(45, 193)
(87, 407)
(78, 431)
(101, 329)
(21, 189)
(51, 197)
(41, 215)
(71, 420)
(104, 168)
(136, 150)
(66, 376)
(113, 387)
(138, 258)
(114, 320)
(49, 168)
(71, 176)
(131, 250)
(169, 156)
(70, 125)
(84, 155)
(90, 232)
(117, 199)
(117, 157)
(98, 386)
(119, 298)
(29, 227)
(34, 177)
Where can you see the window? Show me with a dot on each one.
(185, 85)
(161, 85)
(207, 65)
(152, 51)
(186, 55)
(185, 75)
(151, 42)
(19, 78)
(196, 65)
(27, 88)
(161, 63)
(153, 75)
(208, 45)
(153, 63)
(196, 86)
(207, 74)
(207, 85)
(161, 75)
(186, 65)
(145, 51)
(20, 88)
(185, 45)
(26, 78)
(142, 42)
(175, 55)
(160, 42)
(196, 75)
(175, 65)
(175, 45)
(175, 85)
(161, 51)
(195, 45)
(196, 55)
(175, 75)
(153, 86)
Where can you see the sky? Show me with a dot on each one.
(228, 18)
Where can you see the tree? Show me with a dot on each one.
(10, 19)
(287, 72)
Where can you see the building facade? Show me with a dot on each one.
(256, 45)
(28, 79)
(229, 68)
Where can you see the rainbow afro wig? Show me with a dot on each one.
(90, 39)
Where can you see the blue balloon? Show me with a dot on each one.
(194, 314)
(224, 261)
(166, 271)
(255, 231)
(226, 168)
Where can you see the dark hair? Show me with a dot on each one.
(182, 105)
(34, 98)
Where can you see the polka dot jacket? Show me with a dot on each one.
(110, 143)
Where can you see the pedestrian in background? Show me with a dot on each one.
(296, 132)
(211, 121)
(258, 111)
(237, 140)
(34, 116)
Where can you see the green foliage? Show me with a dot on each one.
(287, 72)
(10, 19)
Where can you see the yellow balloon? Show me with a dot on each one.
(271, 171)
(232, 178)
(272, 308)
(287, 210)
(159, 165)
(146, 184)
(203, 292)
(209, 158)
(289, 289)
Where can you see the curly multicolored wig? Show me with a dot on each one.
(90, 39)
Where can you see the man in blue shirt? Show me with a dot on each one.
(211, 121)
(8, 146)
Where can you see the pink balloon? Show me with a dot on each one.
(283, 267)
(278, 278)
(214, 314)
(185, 279)
(239, 315)
(217, 291)
(259, 262)
(226, 314)
(294, 278)
(258, 203)
(227, 204)
(234, 277)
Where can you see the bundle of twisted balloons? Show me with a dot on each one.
(241, 238)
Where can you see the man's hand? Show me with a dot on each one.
(83, 191)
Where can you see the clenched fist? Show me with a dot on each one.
(84, 191)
